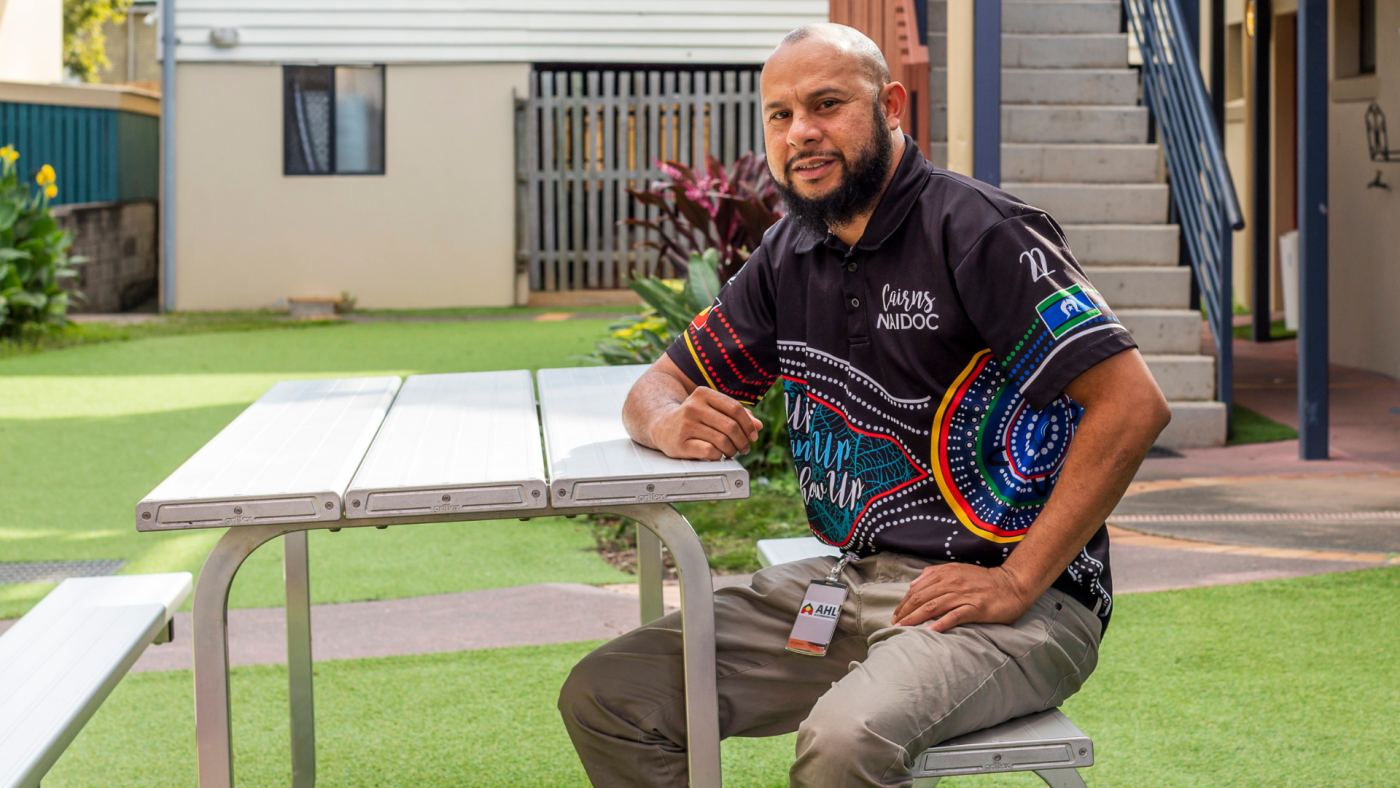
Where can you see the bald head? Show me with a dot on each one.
(844, 42)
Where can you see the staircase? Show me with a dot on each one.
(1074, 143)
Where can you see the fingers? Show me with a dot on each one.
(698, 450)
(725, 415)
(725, 443)
(735, 441)
(933, 608)
(918, 593)
(954, 617)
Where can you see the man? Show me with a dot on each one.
(946, 366)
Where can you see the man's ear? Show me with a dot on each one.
(894, 98)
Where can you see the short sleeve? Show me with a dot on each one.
(731, 347)
(1032, 303)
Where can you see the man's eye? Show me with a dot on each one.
(828, 104)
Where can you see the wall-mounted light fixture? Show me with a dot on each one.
(224, 37)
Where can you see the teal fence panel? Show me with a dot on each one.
(138, 156)
(99, 155)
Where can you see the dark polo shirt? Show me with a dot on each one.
(923, 369)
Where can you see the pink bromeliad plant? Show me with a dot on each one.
(727, 211)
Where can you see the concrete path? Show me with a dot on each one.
(568, 612)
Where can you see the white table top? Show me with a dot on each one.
(307, 451)
(592, 461)
(454, 443)
(287, 458)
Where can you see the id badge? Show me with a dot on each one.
(817, 617)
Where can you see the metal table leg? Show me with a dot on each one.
(296, 575)
(213, 739)
(698, 634)
(649, 571)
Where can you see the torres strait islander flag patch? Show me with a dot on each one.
(1067, 308)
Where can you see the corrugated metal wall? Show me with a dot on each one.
(519, 31)
(99, 155)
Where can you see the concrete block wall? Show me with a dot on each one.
(121, 244)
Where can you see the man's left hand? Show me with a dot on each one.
(956, 594)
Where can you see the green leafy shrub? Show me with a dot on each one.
(671, 305)
(34, 261)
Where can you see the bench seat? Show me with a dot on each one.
(59, 662)
(1046, 742)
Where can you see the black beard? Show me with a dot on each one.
(856, 194)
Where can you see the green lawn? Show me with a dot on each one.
(1253, 427)
(89, 430)
(1291, 683)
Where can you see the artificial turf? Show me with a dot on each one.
(1250, 426)
(88, 431)
(1288, 683)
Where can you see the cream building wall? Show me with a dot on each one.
(437, 229)
(31, 40)
(1364, 225)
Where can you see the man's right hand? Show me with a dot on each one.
(668, 412)
(706, 426)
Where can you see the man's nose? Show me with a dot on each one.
(803, 131)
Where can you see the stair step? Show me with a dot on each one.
(1188, 378)
(1072, 123)
(1069, 86)
(1081, 163)
(1163, 331)
(1058, 16)
(1095, 86)
(1124, 244)
(1119, 203)
(1194, 425)
(1063, 16)
(1129, 287)
(1066, 50)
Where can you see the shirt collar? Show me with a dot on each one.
(898, 199)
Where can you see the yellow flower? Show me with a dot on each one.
(50, 191)
(46, 176)
(9, 154)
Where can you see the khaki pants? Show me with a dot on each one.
(879, 697)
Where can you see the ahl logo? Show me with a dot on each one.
(807, 609)
(818, 611)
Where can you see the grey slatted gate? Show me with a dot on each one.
(584, 137)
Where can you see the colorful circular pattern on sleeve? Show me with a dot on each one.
(995, 458)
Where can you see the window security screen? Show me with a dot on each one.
(333, 120)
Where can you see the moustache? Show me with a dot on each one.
(792, 163)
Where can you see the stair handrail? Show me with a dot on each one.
(1202, 190)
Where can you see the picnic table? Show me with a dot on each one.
(380, 451)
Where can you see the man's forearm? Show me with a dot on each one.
(654, 394)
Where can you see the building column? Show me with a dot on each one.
(1313, 33)
(1260, 24)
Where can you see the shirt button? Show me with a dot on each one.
(855, 302)
(850, 266)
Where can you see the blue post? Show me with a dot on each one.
(1262, 236)
(986, 92)
(1225, 328)
(1312, 229)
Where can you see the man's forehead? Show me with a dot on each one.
(803, 76)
